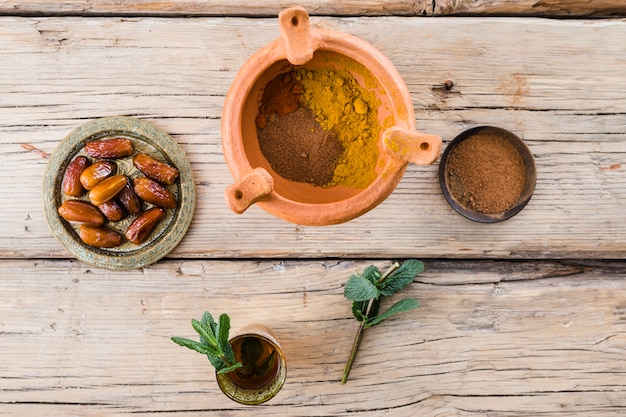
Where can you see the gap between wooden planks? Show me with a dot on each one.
(545, 8)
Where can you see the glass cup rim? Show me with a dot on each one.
(248, 396)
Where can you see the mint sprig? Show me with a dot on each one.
(366, 291)
(213, 342)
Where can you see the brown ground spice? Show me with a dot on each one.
(281, 95)
(298, 148)
(290, 138)
(486, 173)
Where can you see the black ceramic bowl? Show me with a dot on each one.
(465, 209)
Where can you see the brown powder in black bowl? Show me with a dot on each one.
(486, 173)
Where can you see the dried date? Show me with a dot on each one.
(112, 210)
(96, 173)
(81, 212)
(114, 196)
(71, 181)
(107, 189)
(100, 237)
(144, 224)
(129, 199)
(112, 148)
(157, 170)
(154, 193)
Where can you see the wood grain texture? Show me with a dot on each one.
(490, 338)
(557, 84)
(503, 335)
(557, 8)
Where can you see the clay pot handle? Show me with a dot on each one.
(415, 147)
(296, 34)
(248, 190)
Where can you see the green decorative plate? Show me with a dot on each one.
(148, 139)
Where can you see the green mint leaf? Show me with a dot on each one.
(193, 345)
(359, 288)
(207, 319)
(205, 332)
(358, 310)
(372, 274)
(368, 290)
(401, 277)
(210, 326)
(400, 307)
(216, 361)
(224, 330)
(230, 368)
(213, 343)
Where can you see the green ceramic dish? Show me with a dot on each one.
(146, 138)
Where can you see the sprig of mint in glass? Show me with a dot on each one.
(366, 292)
(213, 342)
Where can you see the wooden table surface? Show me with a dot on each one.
(526, 317)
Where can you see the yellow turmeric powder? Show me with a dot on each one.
(350, 111)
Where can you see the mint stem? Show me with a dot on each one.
(359, 335)
(226, 361)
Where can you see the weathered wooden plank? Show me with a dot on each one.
(560, 8)
(490, 338)
(556, 83)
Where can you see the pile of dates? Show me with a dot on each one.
(112, 196)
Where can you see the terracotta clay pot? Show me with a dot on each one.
(302, 203)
